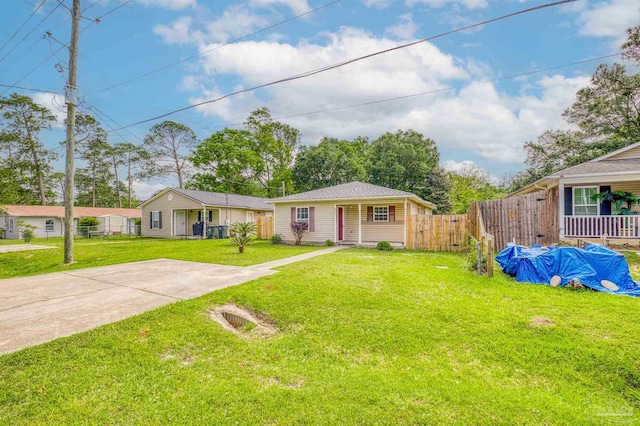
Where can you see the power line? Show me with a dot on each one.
(350, 61)
(431, 92)
(213, 49)
(116, 123)
(27, 88)
(23, 24)
(57, 51)
(30, 32)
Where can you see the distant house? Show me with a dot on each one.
(582, 216)
(351, 213)
(49, 219)
(173, 212)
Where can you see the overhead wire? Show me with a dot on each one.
(206, 52)
(350, 61)
(57, 51)
(445, 89)
(15, 33)
(15, 46)
(28, 88)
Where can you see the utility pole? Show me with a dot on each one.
(71, 99)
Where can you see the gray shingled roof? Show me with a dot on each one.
(602, 166)
(347, 191)
(220, 199)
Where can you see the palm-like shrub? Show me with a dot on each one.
(242, 234)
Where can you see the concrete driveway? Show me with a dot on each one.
(40, 308)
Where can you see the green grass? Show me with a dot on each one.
(364, 337)
(110, 251)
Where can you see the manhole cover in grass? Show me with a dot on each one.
(240, 321)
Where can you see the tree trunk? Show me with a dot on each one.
(36, 163)
(129, 179)
(115, 171)
(93, 189)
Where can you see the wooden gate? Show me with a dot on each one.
(437, 232)
(265, 227)
(526, 219)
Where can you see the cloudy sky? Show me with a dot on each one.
(458, 90)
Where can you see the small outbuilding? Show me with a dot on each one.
(173, 212)
(351, 213)
(49, 220)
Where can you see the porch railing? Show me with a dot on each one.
(596, 226)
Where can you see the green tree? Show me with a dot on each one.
(331, 162)
(606, 115)
(133, 158)
(227, 162)
(21, 122)
(408, 161)
(471, 183)
(169, 145)
(276, 144)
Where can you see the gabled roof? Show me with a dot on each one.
(58, 211)
(610, 164)
(350, 191)
(600, 167)
(217, 199)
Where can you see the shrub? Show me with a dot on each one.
(276, 239)
(298, 228)
(384, 246)
(329, 243)
(27, 235)
(242, 234)
(26, 230)
(87, 224)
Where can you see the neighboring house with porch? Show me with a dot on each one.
(351, 213)
(49, 220)
(582, 216)
(173, 211)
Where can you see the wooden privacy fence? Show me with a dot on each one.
(265, 227)
(437, 232)
(527, 219)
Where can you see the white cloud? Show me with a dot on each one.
(404, 29)
(170, 4)
(178, 32)
(470, 4)
(609, 18)
(144, 190)
(55, 103)
(234, 22)
(456, 166)
(378, 4)
(297, 6)
(476, 119)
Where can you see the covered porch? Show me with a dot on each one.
(365, 224)
(582, 215)
(184, 220)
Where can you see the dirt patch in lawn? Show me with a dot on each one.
(242, 322)
(541, 322)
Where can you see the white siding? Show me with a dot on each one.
(325, 214)
(325, 221)
(162, 203)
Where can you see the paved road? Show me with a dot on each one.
(41, 308)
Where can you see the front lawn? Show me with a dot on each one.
(113, 250)
(364, 337)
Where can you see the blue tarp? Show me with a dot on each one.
(592, 267)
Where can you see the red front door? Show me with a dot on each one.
(340, 224)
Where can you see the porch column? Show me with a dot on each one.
(359, 224)
(204, 220)
(561, 209)
(335, 222)
(404, 229)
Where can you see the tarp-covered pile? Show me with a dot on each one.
(595, 267)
